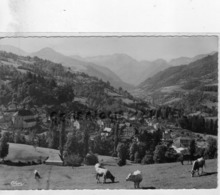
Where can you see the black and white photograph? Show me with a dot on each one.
(108, 112)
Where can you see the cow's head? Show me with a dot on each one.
(113, 179)
(129, 177)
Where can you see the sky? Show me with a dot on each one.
(140, 48)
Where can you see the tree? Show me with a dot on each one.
(148, 158)
(122, 153)
(211, 149)
(192, 148)
(4, 146)
(137, 158)
(133, 148)
(159, 154)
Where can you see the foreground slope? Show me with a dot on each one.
(157, 176)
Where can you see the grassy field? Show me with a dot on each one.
(24, 153)
(157, 176)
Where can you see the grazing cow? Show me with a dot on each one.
(101, 171)
(135, 177)
(36, 175)
(197, 164)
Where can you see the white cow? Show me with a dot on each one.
(135, 177)
(101, 171)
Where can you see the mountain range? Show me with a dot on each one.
(121, 70)
(177, 81)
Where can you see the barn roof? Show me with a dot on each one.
(24, 113)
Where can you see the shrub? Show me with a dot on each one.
(91, 159)
(122, 153)
(171, 155)
(121, 162)
(114, 154)
(4, 146)
(211, 150)
(133, 148)
(159, 154)
(148, 158)
(73, 160)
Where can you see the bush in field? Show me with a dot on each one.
(91, 159)
(102, 146)
(200, 152)
(73, 160)
(159, 154)
(4, 146)
(19, 138)
(137, 158)
(192, 148)
(211, 150)
(133, 148)
(171, 155)
(148, 158)
(122, 153)
(114, 154)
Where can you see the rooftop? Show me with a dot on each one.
(24, 113)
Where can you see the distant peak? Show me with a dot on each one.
(47, 49)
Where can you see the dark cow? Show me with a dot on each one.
(36, 175)
(188, 157)
(135, 177)
(197, 164)
(185, 157)
(103, 172)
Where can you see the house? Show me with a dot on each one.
(182, 142)
(167, 136)
(100, 123)
(24, 119)
(76, 124)
(127, 133)
(106, 131)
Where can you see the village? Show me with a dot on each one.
(33, 124)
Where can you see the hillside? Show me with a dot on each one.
(34, 81)
(156, 176)
(176, 83)
(81, 66)
(75, 63)
(27, 153)
(187, 60)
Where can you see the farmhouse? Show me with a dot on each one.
(182, 141)
(24, 119)
(127, 133)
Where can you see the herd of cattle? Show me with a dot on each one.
(136, 176)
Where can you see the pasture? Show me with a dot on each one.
(24, 153)
(157, 176)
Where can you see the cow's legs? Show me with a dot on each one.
(135, 185)
(97, 178)
(104, 179)
(138, 184)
